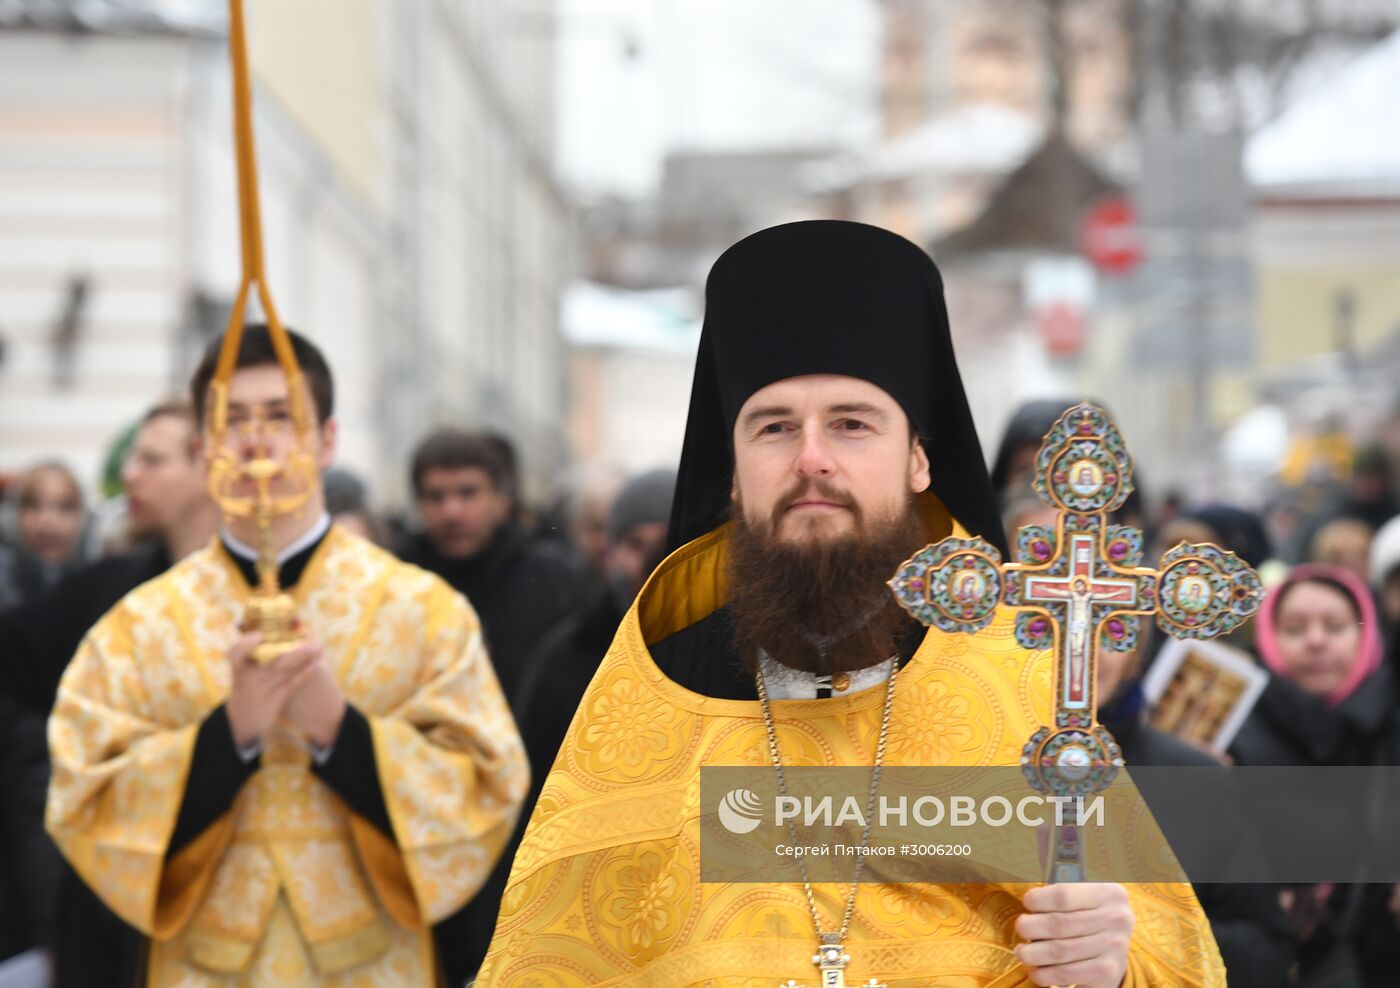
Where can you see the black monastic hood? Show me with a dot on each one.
(828, 297)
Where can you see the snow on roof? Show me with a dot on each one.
(664, 320)
(977, 138)
(1341, 137)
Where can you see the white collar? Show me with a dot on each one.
(309, 538)
(785, 683)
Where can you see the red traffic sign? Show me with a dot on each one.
(1109, 235)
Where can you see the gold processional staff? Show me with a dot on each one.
(246, 478)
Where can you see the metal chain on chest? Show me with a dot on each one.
(773, 752)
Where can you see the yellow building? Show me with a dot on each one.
(1326, 244)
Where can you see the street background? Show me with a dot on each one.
(500, 215)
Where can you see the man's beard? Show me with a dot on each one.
(820, 605)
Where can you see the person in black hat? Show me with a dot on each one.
(828, 440)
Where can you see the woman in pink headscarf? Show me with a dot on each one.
(1320, 629)
(1331, 701)
(1319, 634)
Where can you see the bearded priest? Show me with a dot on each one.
(828, 440)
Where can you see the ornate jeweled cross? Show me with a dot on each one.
(1078, 589)
(831, 960)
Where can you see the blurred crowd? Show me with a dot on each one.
(551, 583)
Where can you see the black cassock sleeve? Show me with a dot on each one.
(217, 773)
(353, 772)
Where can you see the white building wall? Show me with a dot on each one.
(493, 230)
(116, 158)
(90, 171)
(636, 403)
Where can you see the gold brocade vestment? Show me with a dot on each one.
(289, 887)
(605, 887)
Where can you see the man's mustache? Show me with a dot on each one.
(807, 489)
(810, 489)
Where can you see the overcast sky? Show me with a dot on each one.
(712, 74)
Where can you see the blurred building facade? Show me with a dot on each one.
(413, 224)
(632, 360)
(968, 89)
(632, 318)
(988, 117)
(706, 201)
(999, 134)
(1326, 181)
(937, 56)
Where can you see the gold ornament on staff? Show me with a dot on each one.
(280, 487)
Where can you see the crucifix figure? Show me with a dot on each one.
(1078, 588)
(831, 960)
(1085, 591)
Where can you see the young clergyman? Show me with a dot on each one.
(302, 822)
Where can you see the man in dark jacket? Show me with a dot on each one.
(465, 492)
(169, 515)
